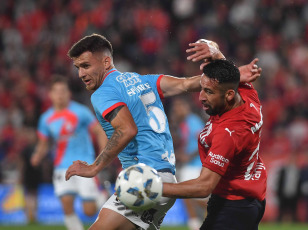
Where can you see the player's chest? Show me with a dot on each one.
(63, 125)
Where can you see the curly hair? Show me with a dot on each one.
(223, 71)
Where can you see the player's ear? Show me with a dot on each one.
(230, 93)
(107, 62)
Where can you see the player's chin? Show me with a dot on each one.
(208, 111)
(90, 87)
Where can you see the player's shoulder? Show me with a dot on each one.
(248, 92)
(48, 113)
(132, 78)
(98, 94)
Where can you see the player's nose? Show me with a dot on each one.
(202, 96)
(81, 73)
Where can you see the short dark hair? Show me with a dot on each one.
(93, 43)
(57, 78)
(224, 71)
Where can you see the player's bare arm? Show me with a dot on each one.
(200, 187)
(172, 86)
(125, 130)
(40, 152)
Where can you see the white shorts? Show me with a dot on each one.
(188, 172)
(150, 219)
(86, 188)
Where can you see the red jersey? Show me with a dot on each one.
(229, 145)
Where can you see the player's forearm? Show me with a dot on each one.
(172, 86)
(39, 153)
(117, 142)
(192, 84)
(186, 189)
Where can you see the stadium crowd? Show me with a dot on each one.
(151, 37)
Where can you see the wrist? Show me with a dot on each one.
(95, 169)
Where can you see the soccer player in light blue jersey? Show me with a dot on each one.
(69, 124)
(129, 108)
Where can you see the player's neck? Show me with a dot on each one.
(107, 71)
(238, 101)
(60, 107)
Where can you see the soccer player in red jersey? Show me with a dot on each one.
(233, 172)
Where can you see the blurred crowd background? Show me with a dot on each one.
(152, 37)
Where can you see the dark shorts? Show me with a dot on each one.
(223, 214)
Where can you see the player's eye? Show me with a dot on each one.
(85, 66)
(207, 91)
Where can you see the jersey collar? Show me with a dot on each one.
(110, 73)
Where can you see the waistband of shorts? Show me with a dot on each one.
(244, 202)
(166, 170)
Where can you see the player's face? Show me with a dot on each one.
(60, 95)
(211, 96)
(91, 69)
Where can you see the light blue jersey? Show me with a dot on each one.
(69, 129)
(190, 130)
(142, 95)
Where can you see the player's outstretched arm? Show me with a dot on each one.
(250, 72)
(172, 86)
(200, 187)
(125, 130)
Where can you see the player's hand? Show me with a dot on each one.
(204, 50)
(250, 72)
(80, 168)
(35, 160)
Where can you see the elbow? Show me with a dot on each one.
(132, 131)
(204, 190)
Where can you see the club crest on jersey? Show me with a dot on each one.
(128, 79)
(205, 132)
